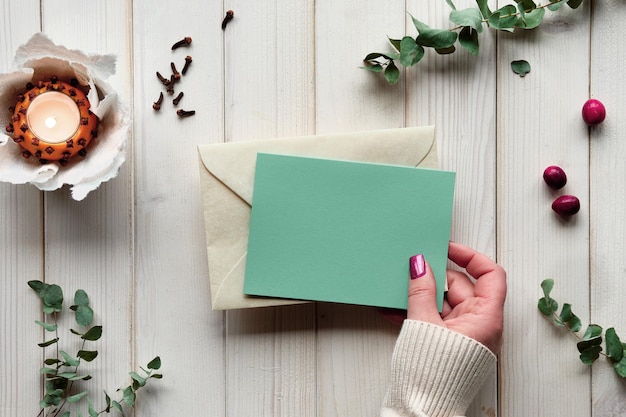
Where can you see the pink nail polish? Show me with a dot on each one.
(417, 266)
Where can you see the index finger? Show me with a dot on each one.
(490, 277)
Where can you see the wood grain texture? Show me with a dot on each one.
(21, 258)
(539, 125)
(457, 94)
(607, 182)
(137, 244)
(172, 299)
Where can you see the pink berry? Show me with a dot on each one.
(555, 177)
(566, 205)
(593, 112)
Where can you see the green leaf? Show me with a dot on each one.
(51, 327)
(584, 345)
(49, 342)
(69, 360)
(52, 361)
(574, 3)
(376, 55)
(87, 355)
(76, 332)
(525, 6)
(373, 67)
(118, 407)
(532, 19)
(91, 410)
(588, 356)
(504, 18)
(67, 375)
(77, 397)
(392, 74)
(155, 363)
(156, 376)
(38, 286)
(410, 52)
(614, 348)
(556, 5)
(468, 38)
(53, 297)
(129, 396)
(445, 51)
(47, 371)
(569, 318)
(84, 315)
(420, 26)
(80, 377)
(451, 4)
(546, 286)
(520, 67)
(141, 381)
(483, 5)
(593, 331)
(395, 43)
(66, 414)
(437, 38)
(81, 298)
(93, 334)
(620, 367)
(107, 399)
(467, 17)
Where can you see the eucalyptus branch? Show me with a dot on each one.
(61, 371)
(590, 344)
(526, 14)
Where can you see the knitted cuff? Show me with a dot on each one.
(435, 372)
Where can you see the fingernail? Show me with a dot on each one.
(417, 266)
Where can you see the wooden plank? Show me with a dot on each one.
(608, 225)
(457, 94)
(172, 298)
(21, 258)
(269, 92)
(538, 125)
(354, 342)
(88, 244)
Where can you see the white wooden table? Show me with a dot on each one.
(284, 68)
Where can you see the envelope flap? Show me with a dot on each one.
(234, 163)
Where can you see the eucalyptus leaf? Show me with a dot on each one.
(520, 67)
(87, 355)
(525, 6)
(84, 315)
(620, 367)
(129, 396)
(467, 17)
(588, 356)
(468, 38)
(410, 52)
(93, 334)
(53, 297)
(69, 360)
(47, 371)
(141, 381)
(81, 298)
(155, 363)
(483, 6)
(66, 414)
(118, 407)
(547, 306)
(452, 6)
(51, 327)
(593, 331)
(556, 5)
(77, 397)
(445, 51)
(38, 286)
(574, 4)
(373, 67)
(437, 38)
(51, 361)
(49, 342)
(504, 18)
(392, 74)
(614, 348)
(395, 43)
(589, 343)
(91, 410)
(420, 26)
(531, 19)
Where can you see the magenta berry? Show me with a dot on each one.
(555, 177)
(593, 112)
(566, 205)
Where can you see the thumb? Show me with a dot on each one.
(422, 304)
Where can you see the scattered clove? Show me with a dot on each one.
(157, 104)
(186, 41)
(175, 72)
(187, 63)
(177, 98)
(163, 80)
(229, 16)
(185, 113)
(170, 86)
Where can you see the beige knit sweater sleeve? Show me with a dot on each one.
(435, 372)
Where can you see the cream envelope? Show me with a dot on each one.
(227, 181)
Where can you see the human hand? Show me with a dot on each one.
(472, 309)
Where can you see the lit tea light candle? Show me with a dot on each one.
(52, 121)
(53, 117)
